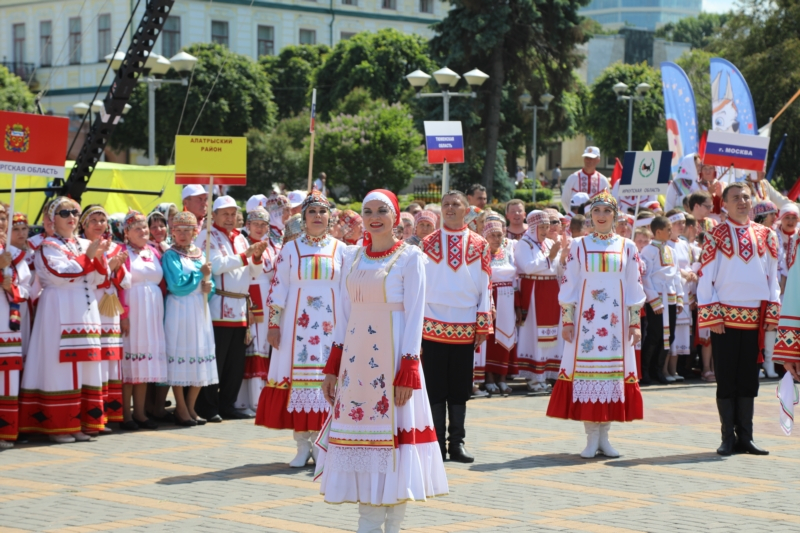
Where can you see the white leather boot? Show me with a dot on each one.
(303, 449)
(605, 446)
(769, 349)
(592, 439)
(394, 517)
(314, 450)
(371, 518)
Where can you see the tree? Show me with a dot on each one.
(520, 44)
(377, 62)
(377, 148)
(607, 118)
(763, 40)
(241, 100)
(14, 93)
(291, 73)
(698, 31)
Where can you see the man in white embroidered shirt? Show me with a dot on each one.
(457, 318)
(587, 179)
(233, 265)
(738, 298)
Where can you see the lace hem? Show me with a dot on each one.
(587, 391)
(359, 459)
(307, 400)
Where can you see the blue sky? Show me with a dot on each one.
(717, 6)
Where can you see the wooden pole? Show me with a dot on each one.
(791, 100)
(312, 130)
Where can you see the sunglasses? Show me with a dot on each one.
(554, 222)
(66, 213)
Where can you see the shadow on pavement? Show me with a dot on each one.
(687, 458)
(238, 472)
(534, 461)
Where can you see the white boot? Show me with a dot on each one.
(394, 517)
(314, 450)
(371, 518)
(605, 446)
(303, 449)
(592, 439)
(769, 349)
(5, 445)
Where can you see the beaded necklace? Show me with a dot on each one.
(319, 241)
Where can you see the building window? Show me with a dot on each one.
(171, 37)
(349, 2)
(389, 4)
(266, 41)
(75, 41)
(103, 36)
(219, 32)
(308, 37)
(18, 30)
(347, 35)
(426, 6)
(46, 42)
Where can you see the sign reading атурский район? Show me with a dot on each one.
(198, 158)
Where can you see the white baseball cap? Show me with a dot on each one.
(296, 198)
(223, 202)
(578, 199)
(192, 190)
(255, 201)
(592, 151)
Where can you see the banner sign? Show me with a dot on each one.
(645, 173)
(732, 108)
(743, 152)
(445, 142)
(199, 158)
(33, 145)
(680, 112)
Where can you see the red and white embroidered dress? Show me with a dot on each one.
(499, 349)
(601, 296)
(459, 300)
(581, 182)
(61, 390)
(738, 284)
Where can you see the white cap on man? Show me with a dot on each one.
(578, 199)
(192, 190)
(224, 202)
(296, 198)
(592, 152)
(256, 201)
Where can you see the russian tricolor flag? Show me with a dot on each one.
(744, 152)
(445, 142)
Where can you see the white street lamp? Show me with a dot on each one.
(115, 60)
(183, 63)
(525, 99)
(97, 106)
(81, 108)
(446, 78)
(418, 79)
(620, 89)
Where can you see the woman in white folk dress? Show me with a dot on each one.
(301, 322)
(378, 446)
(601, 296)
(142, 324)
(191, 359)
(61, 393)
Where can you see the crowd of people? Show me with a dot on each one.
(366, 334)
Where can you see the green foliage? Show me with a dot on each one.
(291, 73)
(14, 93)
(698, 31)
(526, 195)
(241, 100)
(607, 118)
(378, 62)
(376, 148)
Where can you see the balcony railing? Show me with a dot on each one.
(23, 70)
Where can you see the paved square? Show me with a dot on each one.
(528, 477)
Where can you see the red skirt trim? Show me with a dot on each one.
(562, 406)
(272, 412)
(61, 412)
(256, 367)
(112, 401)
(415, 436)
(9, 418)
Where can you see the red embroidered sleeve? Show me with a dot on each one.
(709, 315)
(484, 324)
(334, 360)
(773, 313)
(408, 375)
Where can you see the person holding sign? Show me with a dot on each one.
(234, 264)
(301, 304)
(61, 389)
(601, 296)
(738, 298)
(377, 447)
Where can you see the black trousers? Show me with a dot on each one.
(735, 355)
(654, 332)
(448, 371)
(221, 397)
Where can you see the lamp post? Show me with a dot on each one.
(446, 79)
(525, 99)
(620, 89)
(155, 67)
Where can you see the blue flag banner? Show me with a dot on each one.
(445, 142)
(775, 157)
(680, 111)
(732, 108)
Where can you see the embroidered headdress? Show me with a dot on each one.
(603, 198)
(492, 226)
(20, 219)
(259, 213)
(132, 218)
(184, 219)
(388, 198)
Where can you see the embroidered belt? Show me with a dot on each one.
(531, 276)
(241, 296)
(502, 284)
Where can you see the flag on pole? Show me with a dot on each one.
(313, 110)
(795, 192)
(775, 157)
(617, 174)
(701, 150)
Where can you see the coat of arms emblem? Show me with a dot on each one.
(17, 138)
